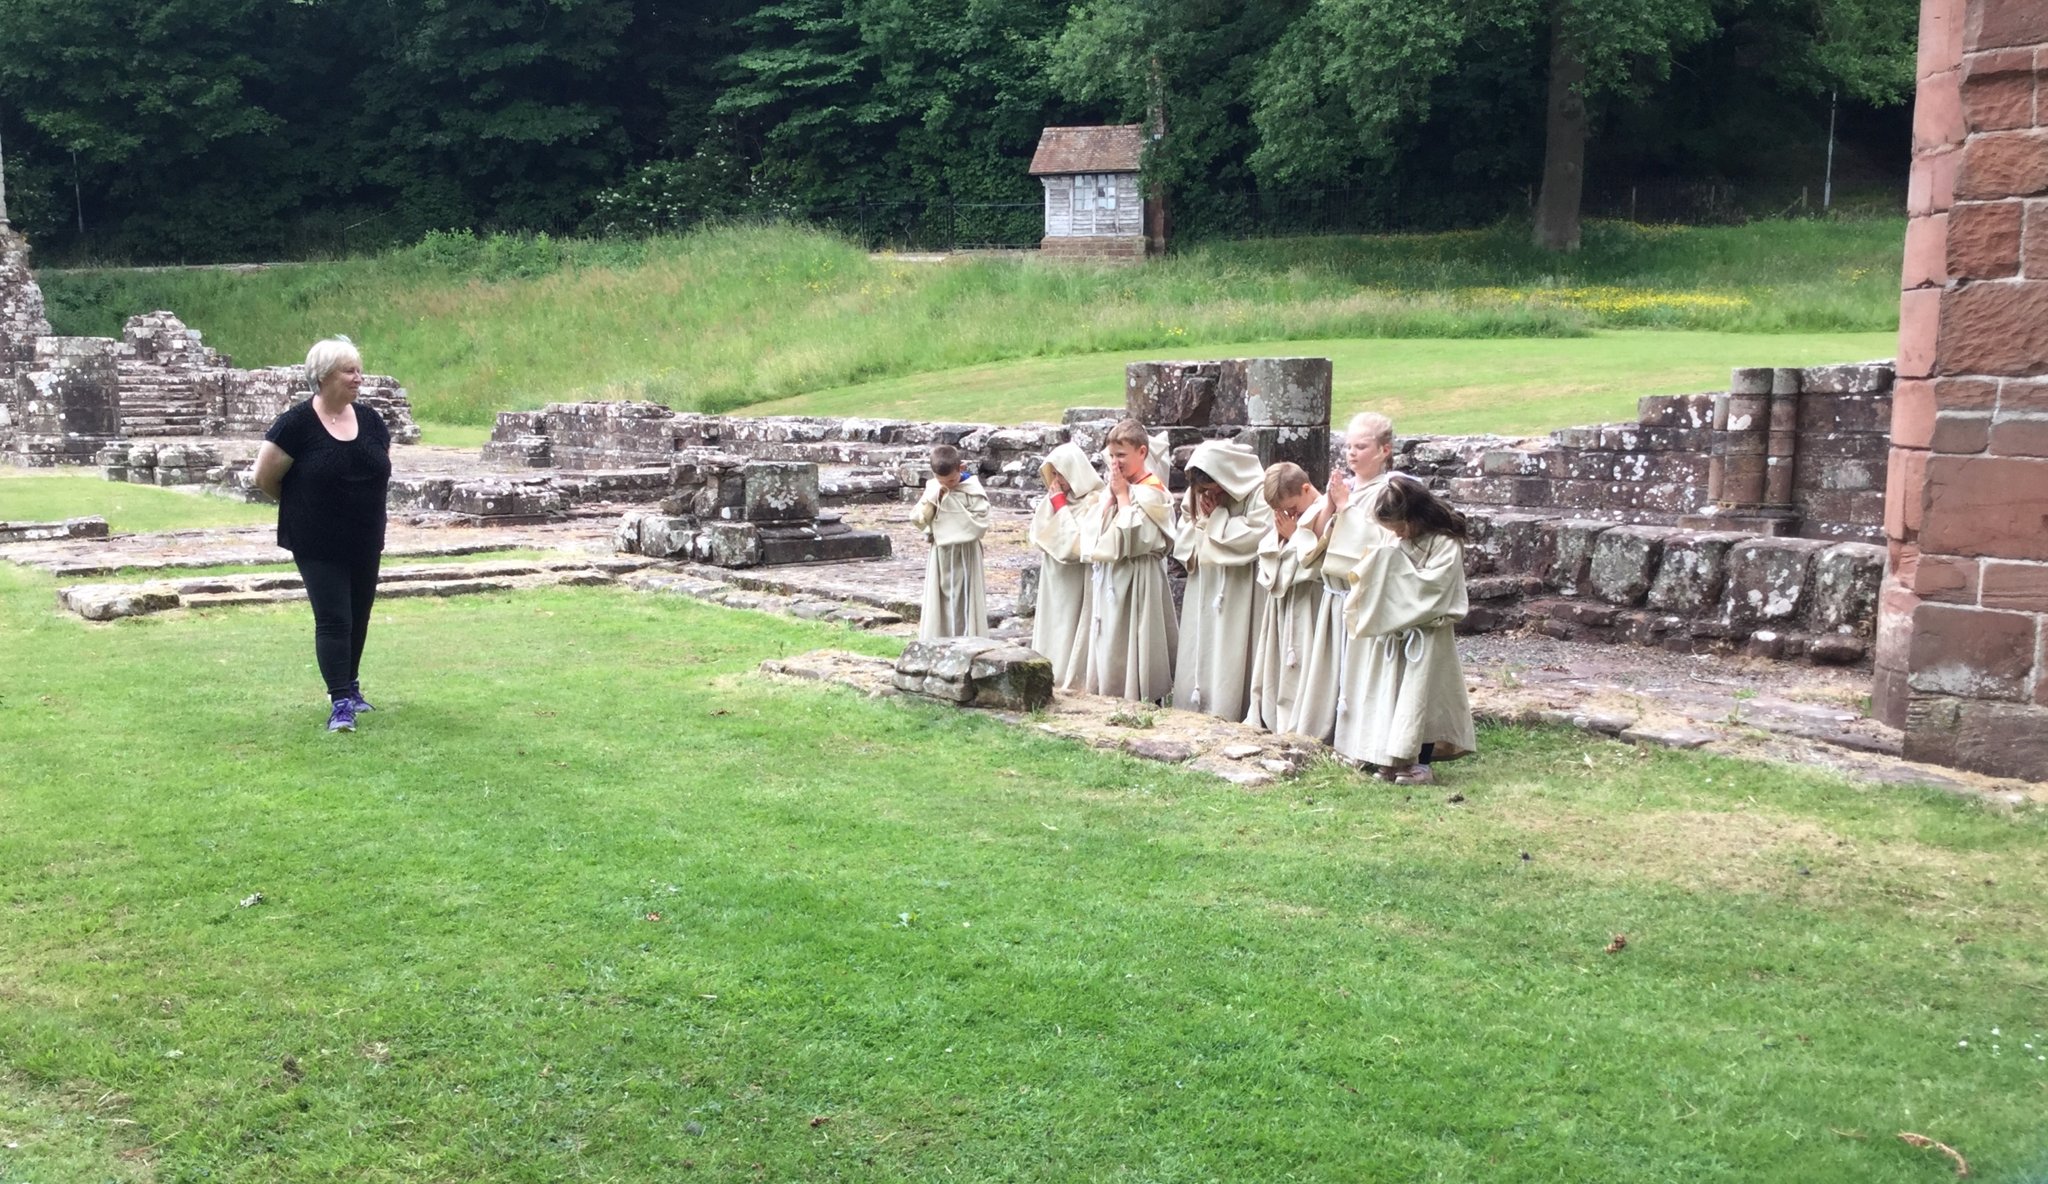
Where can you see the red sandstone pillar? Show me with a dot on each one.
(1963, 616)
(1742, 424)
(1783, 459)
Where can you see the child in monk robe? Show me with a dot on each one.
(1059, 629)
(1221, 520)
(1340, 528)
(1287, 622)
(1132, 628)
(1406, 596)
(953, 513)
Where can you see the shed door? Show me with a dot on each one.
(1095, 203)
(1059, 211)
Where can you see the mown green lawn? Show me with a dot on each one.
(1512, 386)
(42, 496)
(587, 899)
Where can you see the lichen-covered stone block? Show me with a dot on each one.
(1769, 580)
(110, 602)
(1692, 572)
(976, 672)
(1308, 447)
(1573, 554)
(1846, 577)
(505, 501)
(1519, 544)
(728, 544)
(1169, 394)
(67, 401)
(779, 491)
(814, 544)
(1027, 589)
(93, 527)
(1852, 378)
(1624, 563)
(663, 536)
(1288, 392)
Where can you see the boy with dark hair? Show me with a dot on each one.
(953, 513)
(1407, 595)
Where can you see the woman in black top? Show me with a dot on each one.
(327, 461)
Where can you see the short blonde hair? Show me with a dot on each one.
(1373, 424)
(1284, 480)
(1131, 434)
(327, 356)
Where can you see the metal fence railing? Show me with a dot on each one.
(1195, 214)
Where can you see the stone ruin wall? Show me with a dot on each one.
(65, 400)
(1615, 533)
(22, 319)
(1710, 461)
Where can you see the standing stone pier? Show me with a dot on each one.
(1279, 407)
(22, 322)
(1962, 641)
(67, 406)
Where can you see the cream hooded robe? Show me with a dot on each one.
(1060, 629)
(1132, 628)
(1323, 706)
(1286, 626)
(1405, 598)
(954, 521)
(1223, 601)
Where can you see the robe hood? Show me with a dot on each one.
(1235, 467)
(1072, 464)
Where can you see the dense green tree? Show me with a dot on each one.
(1347, 75)
(155, 116)
(1191, 62)
(875, 99)
(220, 128)
(497, 111)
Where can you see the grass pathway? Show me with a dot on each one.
(1513, 385)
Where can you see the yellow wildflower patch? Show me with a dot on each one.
(1610, 301)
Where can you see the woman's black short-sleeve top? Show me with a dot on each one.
(331, 504)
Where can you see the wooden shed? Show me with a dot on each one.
(1094, 208)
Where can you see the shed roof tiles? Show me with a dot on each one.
(1115, 148)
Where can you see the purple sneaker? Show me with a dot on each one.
(362, 704)
(343, 717)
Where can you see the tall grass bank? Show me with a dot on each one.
(731, 316)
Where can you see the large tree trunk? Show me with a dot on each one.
(1564, 147)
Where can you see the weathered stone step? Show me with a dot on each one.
(106, 602)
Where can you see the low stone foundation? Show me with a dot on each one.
(162, 464)
(71, 528)
(1677, 589)
(1109, 248)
